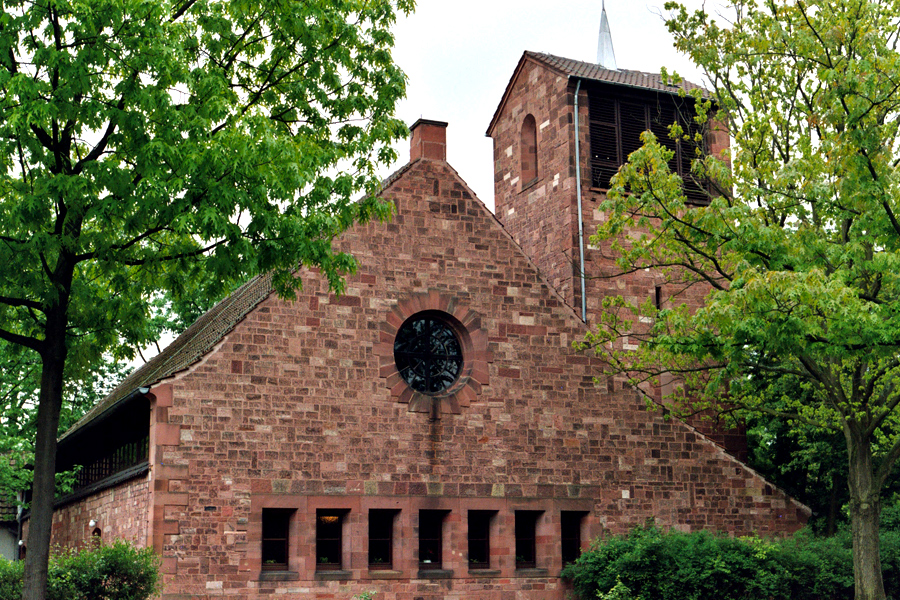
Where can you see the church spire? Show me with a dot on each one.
(606, 56)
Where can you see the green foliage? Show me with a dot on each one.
(798, 251)
(115, 572)
(10, 579)
(154, 153)
(618, 592)
(19, 385)
(649, 563)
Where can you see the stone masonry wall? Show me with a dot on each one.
(299, 408)
(120, 512)
(542, 216)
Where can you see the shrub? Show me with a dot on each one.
(650, 563)
(10, 579)
(115, 572)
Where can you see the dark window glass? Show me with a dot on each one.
(428, 353)
(480, 538)
(570, 528)
(275, 538)
(329, 540)
(431, 524)
(381, 538)
(526, 538)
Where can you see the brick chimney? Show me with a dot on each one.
(428, 140)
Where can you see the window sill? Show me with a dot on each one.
(279, 576)
(384, 574)
(333, 575)
(531, 572)
(529, 185)
(484, 572)
(435, 574)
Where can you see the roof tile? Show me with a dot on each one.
(595, 72)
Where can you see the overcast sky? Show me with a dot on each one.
(460, 54)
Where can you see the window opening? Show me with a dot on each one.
(526, 538)
(615, 127)
(480, 538)
(381, 538)
(431, 539)
(570, 529)
(657, 297)
(528, 151)
(329, 539)
(276, 538)
(428, 353)
(96, 538)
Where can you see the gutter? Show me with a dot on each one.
(578, 198)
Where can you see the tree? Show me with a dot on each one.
(19, 388)
(799, 246)
(157, 148)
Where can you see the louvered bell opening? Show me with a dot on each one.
(661, 118)
(633, 124)
(696, 191)
(605, 157)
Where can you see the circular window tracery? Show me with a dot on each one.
(428, 353)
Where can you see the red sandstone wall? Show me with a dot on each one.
(298, 408)
(542, 216)
(121, 512)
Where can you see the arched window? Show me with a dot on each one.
(528, 149)
(96, 538)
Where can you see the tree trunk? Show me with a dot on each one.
(865, 517)
(44, 487)
(834, 505)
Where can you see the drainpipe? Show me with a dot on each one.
(578, 198)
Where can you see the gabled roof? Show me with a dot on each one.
(189, 347)
(201, 337)
(8, 511)
(593, 72)
(196, 340)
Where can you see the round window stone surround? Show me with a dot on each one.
(473, 372)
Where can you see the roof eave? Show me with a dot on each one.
(79, 430)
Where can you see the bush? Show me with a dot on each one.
(10, 580)
(115, 572)
(652, 564)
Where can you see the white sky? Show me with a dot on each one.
(460, 54)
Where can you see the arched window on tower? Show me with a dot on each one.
(528, 149)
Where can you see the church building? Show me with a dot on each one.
(430, 433)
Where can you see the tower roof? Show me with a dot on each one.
(593, 72)
(606, 56)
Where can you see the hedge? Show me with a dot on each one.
(114, 572)
(649, 564)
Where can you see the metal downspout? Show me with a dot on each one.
(578, 197)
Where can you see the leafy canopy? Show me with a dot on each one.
(177, 146)
(799, 247)
(155, 152)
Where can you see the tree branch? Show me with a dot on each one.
(9, 301)
(21, 340)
